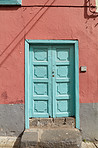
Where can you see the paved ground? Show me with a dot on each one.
(89, 145)
(13, 142)
(9, 142)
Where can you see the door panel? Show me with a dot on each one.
(63, 81)
(51, 81)
(40, 81)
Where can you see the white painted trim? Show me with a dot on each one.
(96, 5)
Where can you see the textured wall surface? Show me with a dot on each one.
(89, 120)
(74, 21)
(11, 119)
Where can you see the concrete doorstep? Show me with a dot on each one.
(51, 138)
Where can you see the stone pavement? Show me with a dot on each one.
(89, 145)
(9, 142)
(14, 142)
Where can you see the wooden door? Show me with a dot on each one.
(51, 71)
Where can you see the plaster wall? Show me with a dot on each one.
(74, 21)
(89, 120)
(11, 119)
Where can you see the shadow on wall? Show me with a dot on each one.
(22, 34)
(10, 48)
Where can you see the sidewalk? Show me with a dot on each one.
(9, 142)
(89, 145)
(14, 142)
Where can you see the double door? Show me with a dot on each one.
(51, 83)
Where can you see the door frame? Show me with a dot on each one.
(51, 42)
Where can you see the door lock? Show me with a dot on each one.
(52, 73)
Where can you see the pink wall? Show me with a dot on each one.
(20, 23)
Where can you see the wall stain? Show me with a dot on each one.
(4, 95)
(16, 102)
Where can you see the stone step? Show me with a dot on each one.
(68, 122)
(53, 137)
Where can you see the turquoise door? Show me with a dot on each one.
(51, 83)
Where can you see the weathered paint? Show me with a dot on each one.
(57, 23)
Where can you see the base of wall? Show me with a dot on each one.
(11, 119)
(89, 120)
